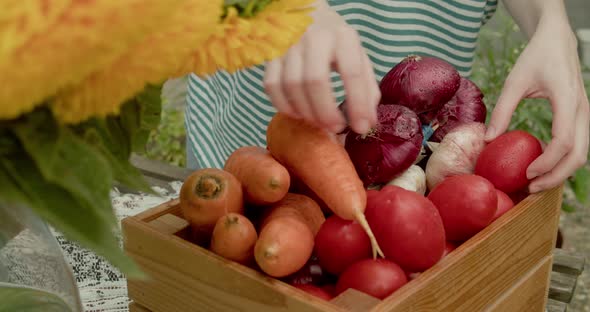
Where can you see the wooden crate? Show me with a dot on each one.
(505, 267)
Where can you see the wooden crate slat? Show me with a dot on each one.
(184, 274)
(355, 301)
(524, 295)
(134, 307)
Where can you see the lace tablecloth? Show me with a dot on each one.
(102, 287)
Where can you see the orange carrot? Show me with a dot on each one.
(298, 187)
(322, 163)
(265, 180)
(234, 237)
(205, 196)
(284, 246)
(296, 205)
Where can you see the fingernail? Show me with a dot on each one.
(362, 126)
(489, 133)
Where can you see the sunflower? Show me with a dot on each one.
(62, 50)
(87, 57)
(154, 59)
(242, 41)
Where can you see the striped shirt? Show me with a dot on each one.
(227, 111)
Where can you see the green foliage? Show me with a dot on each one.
(19, 299)
(497, 52)
(167, 143)
(247, 8)
(65, 173)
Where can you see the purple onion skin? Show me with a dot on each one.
(390, 149)
(421, 83)
(466, 106)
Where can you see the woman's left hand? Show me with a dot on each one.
(549, 68)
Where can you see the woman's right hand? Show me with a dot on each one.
(299, 83)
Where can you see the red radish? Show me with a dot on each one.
(465, 106)
(339, 243)
(311, 273)
(504, 161)
(456, 154)
(407, 226)
(316, 291)
(467, 204)
(330, 288)
(421, 83)
(449, 247)
(389, 149)
(375, 277)
(314, 156)
(504, 204)
(518, 196)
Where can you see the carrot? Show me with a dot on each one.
(296, 205)
(264, 180)
(298, 187)
(316, 157)
(205, 196)
(234, 237)
(284, 246)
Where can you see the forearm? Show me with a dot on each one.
(528, 13)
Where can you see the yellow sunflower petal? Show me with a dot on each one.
(158, 57)
(21, 19)
(242, 42)
(88, 35)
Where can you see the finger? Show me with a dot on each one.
(274, 89)
(353, 69)
(292, 81)
(511, 95)
(563, 132)
(373, 87)
(318, 85)
(574, 160)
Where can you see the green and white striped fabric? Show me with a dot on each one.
(227, 111)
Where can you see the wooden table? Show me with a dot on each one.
(567, 266)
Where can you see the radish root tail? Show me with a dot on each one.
(360, 218)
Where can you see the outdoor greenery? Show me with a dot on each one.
(498, 49)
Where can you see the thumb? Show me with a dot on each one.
(511, 95)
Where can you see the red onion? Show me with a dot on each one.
(390, 148)
(421, 83)
(466, 106)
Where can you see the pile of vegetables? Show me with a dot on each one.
(373, 211)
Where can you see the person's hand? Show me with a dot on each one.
(299, 84)
(549, 68)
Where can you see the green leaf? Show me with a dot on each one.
(581, 185)
(108, 137)
(567, 207)
(22, 183)
(67, 161)
(140, 115)
(20, 299)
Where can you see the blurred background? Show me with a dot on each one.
(499, 46)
